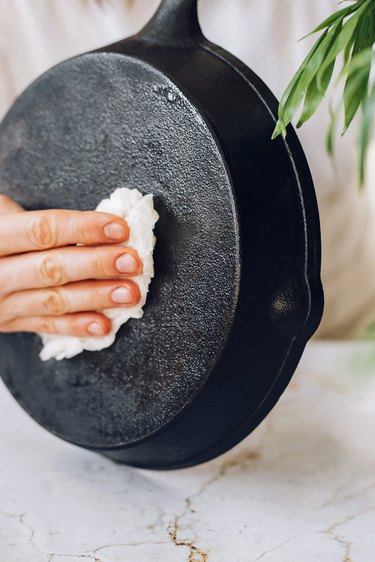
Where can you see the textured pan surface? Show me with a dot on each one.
(125, 124)
(237, 291)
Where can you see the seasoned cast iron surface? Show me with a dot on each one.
(125, 124)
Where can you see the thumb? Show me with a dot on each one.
(9, 206)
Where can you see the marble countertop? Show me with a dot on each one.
(300, 488)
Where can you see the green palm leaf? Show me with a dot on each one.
(349, 32)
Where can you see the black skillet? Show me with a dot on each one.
(237, 291)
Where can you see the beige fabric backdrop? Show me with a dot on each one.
(35, 34)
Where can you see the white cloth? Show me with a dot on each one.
(35, 34)
(138, 211)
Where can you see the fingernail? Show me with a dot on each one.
(115, 231)
(95, 329)
(126, 264)
(122, 295)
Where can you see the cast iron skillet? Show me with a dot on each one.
(237, 291)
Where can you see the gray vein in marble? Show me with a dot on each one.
(274, 548)
(300, 488)
(347, 544)
(176, 528)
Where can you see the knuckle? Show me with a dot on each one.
(7, 313)
(47, 326)
(98, 298)
(40, 232)
(90, 233)
(99, 265)
(54, 302)
(75, 326)
(50, 270)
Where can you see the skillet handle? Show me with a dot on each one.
(175, 23)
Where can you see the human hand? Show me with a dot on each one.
(48, 284)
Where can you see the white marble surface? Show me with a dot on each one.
(301, 488)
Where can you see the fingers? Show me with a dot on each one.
(89, 324)
(54, 291)
(28, 231)
(74, 297)
(8, 205)
(66, 265)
